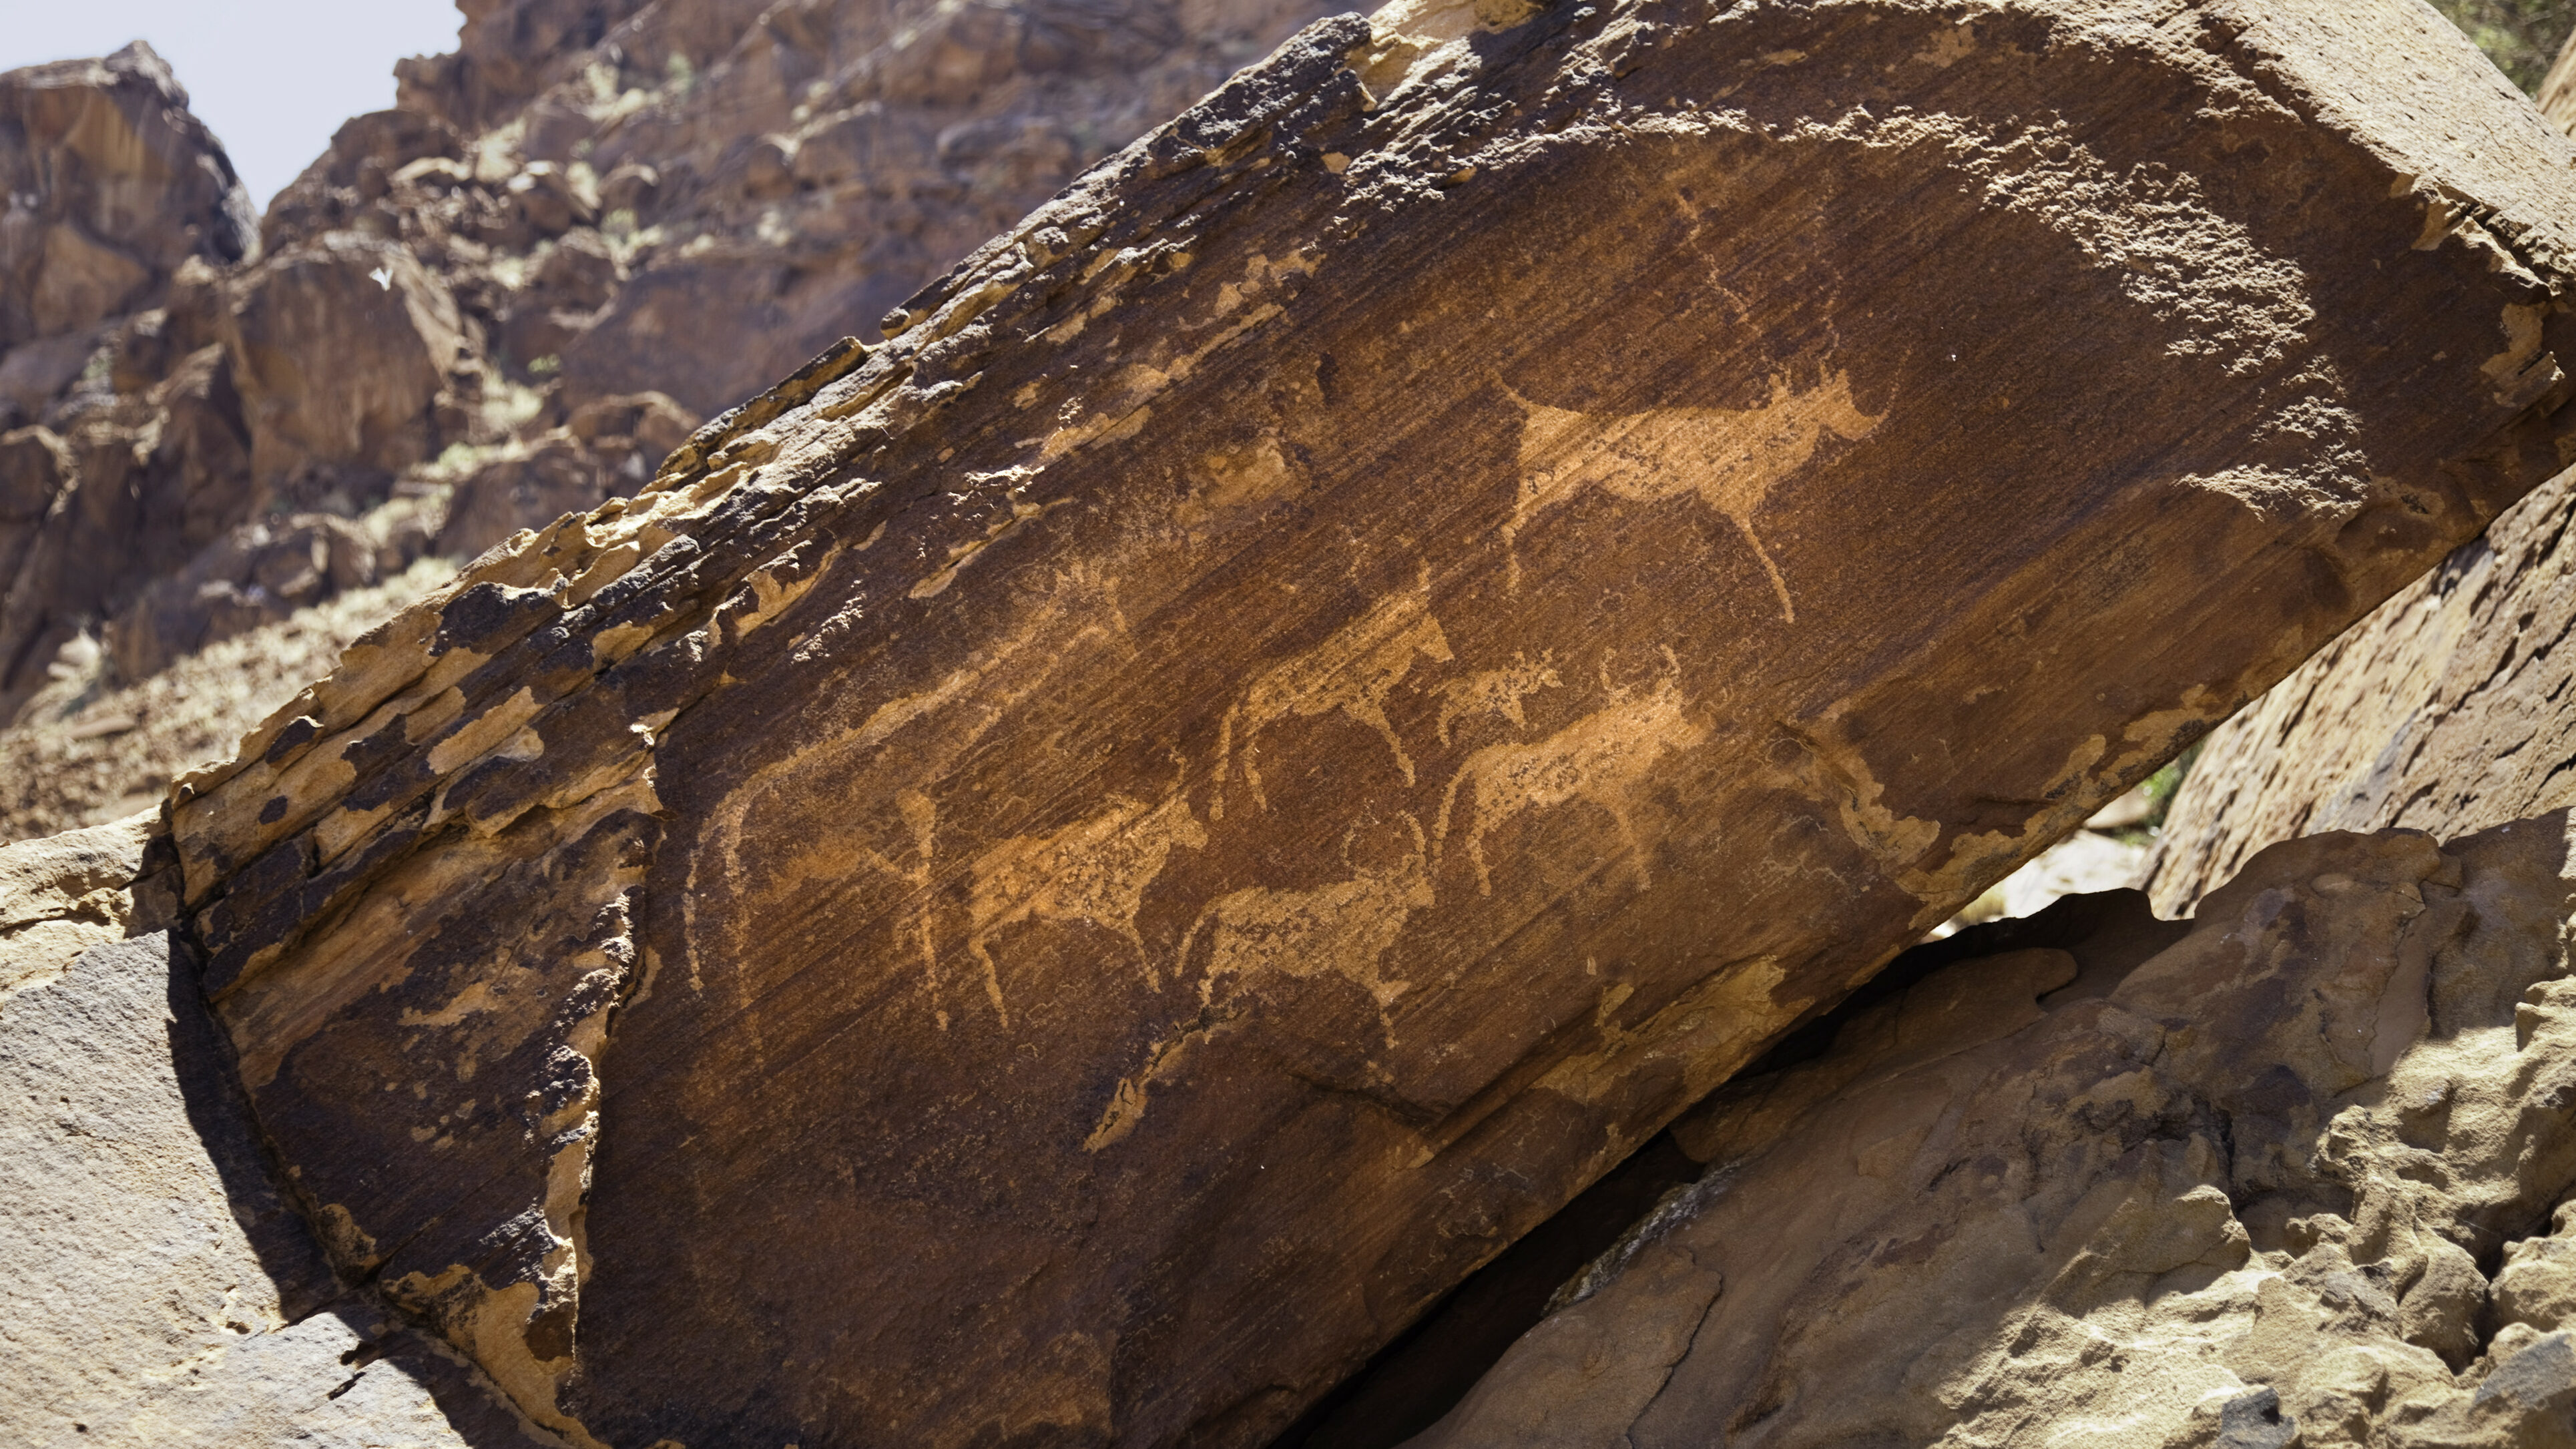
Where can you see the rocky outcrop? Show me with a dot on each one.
(2302, 1177)
(1265, 707)
(341, 349)
(157, 1289)
(114, 191)
(112, 184)
(1425, 1373)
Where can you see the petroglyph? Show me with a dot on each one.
(922, 735)
(1840, 777)
(1344, 928)
(1497, 692)
(1093, 871)
(1233, 481)
(1603, 759)
(1353, 671)
(1729, 459)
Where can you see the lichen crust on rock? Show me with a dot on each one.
(1065, 874)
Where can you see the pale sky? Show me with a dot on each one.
(274, 78)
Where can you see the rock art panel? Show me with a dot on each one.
(1729, 459)
(2296, 1178)
(1341, 673)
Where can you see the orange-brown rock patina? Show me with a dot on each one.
(1327, 685)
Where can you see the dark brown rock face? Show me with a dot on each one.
(1060, 879)
(2302, 1177)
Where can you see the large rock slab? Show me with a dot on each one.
(1062, 878)
(2303, 1177)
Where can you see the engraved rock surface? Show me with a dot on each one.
(2302, 1177)
(1062, 878)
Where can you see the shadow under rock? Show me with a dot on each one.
(307, 1288)
(1428, 1368)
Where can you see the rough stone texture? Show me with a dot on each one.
(155, 1288)
(87, 750)
(509, 298)
(111, 185)
(340, 349)
(116, 195)
(2292, 1180)
(61, 895)
(2446, 710)
(1136, 833)
(1417, 1379)
(792, 170)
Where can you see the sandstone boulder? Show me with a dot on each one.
(2302, 1178)
(259, 573)
(2446, 710)
(35, 470)
(1329, 682)
(1422, 1375)
(524, 490)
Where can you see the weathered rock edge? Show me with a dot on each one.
(1321, 689)
(158, 1289)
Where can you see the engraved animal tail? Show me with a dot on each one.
(1779, 585)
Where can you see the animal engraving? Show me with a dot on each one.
(1602, 759)
(1729, 459)
(1353, 671)
(1093, 871)
(1344, 928)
